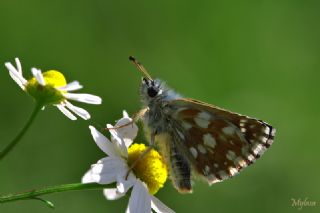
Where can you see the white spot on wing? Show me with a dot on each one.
(194, 152)
(258, 149)
(223, 174)
(186, 125)
(206, 170)
(203, 119)
(239, 161)
(201, 123)
(204, 115)
(180, 109)
(231, 155)
(245, 151)
(233, 171)
(251, 158)
(212, 179)
(229, 130)
(266, 130)
(202, 149)
(208, 140)
(243, 121)
(263, 139)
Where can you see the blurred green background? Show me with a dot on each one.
(259, 58)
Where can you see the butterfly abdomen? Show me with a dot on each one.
(179, 168)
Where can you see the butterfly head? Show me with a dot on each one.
(153, 90)
(150, 89)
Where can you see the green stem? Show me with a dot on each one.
(54, 189)
(15, 141)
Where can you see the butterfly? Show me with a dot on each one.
(196, 138)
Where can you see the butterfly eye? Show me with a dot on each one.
(152, 91)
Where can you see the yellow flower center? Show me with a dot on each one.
(47, 94)
(151, 169)
(54, 78)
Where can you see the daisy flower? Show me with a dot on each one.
(51, 88)
(146, 178)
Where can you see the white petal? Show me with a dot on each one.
(66, 112)
(19, 68)
(125, 114)
(85, 98)
(129, 132)
(87, 178)
(118, 141)
(108, 169)
(140, 201)
(112, 194)
(71, 86)
(124, 135)
(77, 110)
(15, 75)
(38, 75)
(123, 184)
(159, 207)
(102, 142)
(17, 80)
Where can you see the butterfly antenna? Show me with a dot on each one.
(140, 67)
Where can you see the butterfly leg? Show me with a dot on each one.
(142, 155)
(137, 116)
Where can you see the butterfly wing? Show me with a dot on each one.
(216, 142)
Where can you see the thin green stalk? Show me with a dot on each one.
(32, 194)
(15, 141)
